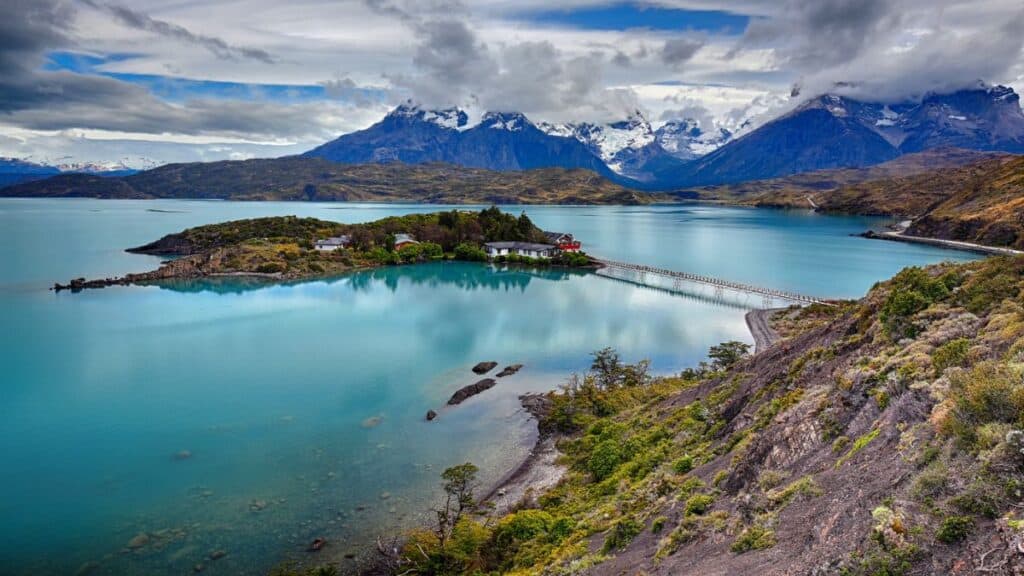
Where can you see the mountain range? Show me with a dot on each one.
(827, 132)
(14, 170)
(830, 131)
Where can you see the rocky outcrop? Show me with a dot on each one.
(466, 392)
(509, 370)
(484, 367)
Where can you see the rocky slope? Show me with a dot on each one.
(315, 179)
(884, 436)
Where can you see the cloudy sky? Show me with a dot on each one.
(180, 80)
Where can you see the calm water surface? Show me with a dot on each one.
(302, 405)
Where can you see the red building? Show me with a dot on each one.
(564, 242)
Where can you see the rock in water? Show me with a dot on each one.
(465, 392)
(431, 415)
(140, 540)
(218, 554)
(182, 455)
(509, 370)
(372, 421)
(484, 367)
(316, 545)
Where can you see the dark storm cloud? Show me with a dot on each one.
(217, 46)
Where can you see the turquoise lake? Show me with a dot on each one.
(301, 405)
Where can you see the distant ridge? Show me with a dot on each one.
(315, 179)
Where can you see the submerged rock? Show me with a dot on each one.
(87, 568)
(316, 545)
(183, 455)
(257, 505)
(462, 394)
(484, 367)
(218, 554)
(140, 540)
(372, 421)
(431, 415)
(509, 370)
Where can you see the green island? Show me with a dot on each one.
(293, 248)
(885, 431)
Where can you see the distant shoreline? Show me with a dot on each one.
(943, 243)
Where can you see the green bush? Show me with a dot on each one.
(952, 353)
(683, 465)
(955, 529)
(621, 534)
(698, 504)
(988, 393)
(754, 537)
(910, 292)
(470, 253)
(270, 268)
(605, 459)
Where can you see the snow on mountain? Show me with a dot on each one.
(685, 139)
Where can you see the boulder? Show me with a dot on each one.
(509, 370)
(431, 415)
(316, 545)
(484, 367)
(462, 394)
(218, 554)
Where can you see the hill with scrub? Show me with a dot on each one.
(878, 437)
(316, 179)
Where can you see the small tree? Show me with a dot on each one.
(459, 483)
(607, 366)
(726, 354)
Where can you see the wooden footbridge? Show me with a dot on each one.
(645, 275)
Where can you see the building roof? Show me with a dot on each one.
(518, 246)
(400, 238)
(554, 236)
(334, 241)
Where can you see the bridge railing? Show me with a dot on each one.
(717, 282)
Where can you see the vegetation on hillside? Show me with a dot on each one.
(315, 179)
(880, 437)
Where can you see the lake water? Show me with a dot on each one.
(301, 405)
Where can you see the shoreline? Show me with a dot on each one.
(761, 329)
(538, 472)
(942, 243)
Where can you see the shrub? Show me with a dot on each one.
(911, 291)
(683, 465)
(698, 504)
(988, 393)
(621, 534)
(470, 252)
(954, 529)
(754, 537)
(523, 525)
(270, 268)
(952, 353)
(658, 524)
(605, 459)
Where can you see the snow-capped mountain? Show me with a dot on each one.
(500, 141)
(685, 139)
(633, 149)
(833, 131)
(14, 170)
